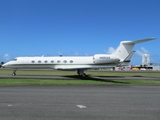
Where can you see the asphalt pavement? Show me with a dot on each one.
(77, 102)
(74, 77)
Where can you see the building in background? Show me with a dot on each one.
(146, 65)
(145, 60)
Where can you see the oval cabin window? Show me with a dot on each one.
(71, 61)
(65, 61)
(33, 61)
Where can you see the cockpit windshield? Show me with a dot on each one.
(15, 59)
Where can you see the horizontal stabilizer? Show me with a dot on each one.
(138, 41)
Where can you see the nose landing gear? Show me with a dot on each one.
(14, 73)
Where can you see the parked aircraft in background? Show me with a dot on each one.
(121, 57)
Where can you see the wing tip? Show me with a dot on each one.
(151, 38)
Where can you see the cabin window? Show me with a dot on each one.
(52, 61)
(71, 61)
(45, 61)
(58, 61)
(65, 61)
(39, 61)
(33, 61)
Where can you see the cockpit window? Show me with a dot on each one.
(15, 59)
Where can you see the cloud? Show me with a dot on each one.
(85, 54)
(110, 50)
(6, 56)
(138, 52)
(76, 53)
(142, 51)
(59, 53)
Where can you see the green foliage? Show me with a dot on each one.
(74, 82)
(89, 72)
(7, 81)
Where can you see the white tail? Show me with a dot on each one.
(125, 48)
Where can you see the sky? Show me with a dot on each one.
(78, 27)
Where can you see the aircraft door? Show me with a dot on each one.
(25, 62)
(94, 59)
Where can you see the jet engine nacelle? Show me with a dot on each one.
(104, 58)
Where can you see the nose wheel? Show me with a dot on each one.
(14, 73)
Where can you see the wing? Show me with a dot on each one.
(75, 67)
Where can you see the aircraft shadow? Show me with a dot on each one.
(97, 79)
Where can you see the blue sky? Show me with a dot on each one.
(77, 27)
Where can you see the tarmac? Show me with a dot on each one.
(74, 77)
(77, 102)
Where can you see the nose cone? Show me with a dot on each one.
(5, 65)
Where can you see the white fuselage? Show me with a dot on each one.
(64, 63)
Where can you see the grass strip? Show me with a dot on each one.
(91, 73)
(75, 82)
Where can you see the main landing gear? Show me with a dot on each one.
(81, 73)
(14, 73)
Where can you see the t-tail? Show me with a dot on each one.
(124, 51)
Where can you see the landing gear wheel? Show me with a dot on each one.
(81, 73)
(14, 74)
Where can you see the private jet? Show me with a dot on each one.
(121, 57)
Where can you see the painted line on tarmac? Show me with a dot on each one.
(81, 106)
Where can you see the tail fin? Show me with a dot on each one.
(125, 48)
